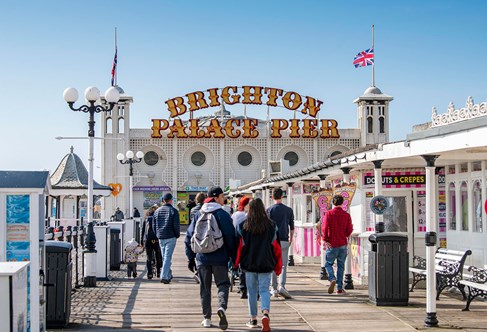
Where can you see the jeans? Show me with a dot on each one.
(281, 280)
(222, 281)
(153, 252)
(167, 249)
(258, 283)
(339, 254)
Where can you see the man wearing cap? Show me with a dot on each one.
(283, 216)
(214, 264)
(167, 231)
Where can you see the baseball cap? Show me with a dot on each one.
(215, 192)
(167, 197)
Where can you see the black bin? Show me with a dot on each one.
(115, 250)
(58, 280)
(137, 231)
(388, 269)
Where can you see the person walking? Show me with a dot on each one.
(283, 216)
(238, 218)
(199, 200)
(337, 228)
(213, 264)
(167, 231)
(259, 255)
(151, 243)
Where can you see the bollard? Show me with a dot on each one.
(89, 258)
(69, 233)
(76, 246)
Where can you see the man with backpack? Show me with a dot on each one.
(167, 231)
(210, 245)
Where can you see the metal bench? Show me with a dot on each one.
(476, 285)
(448, 267)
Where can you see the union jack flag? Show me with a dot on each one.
(114, 67)
(364, 58)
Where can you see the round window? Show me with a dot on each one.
(151, 158)
(198, 158)
(292, 157)
(244, 158)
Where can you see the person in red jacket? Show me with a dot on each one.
(259, 254)
(337, 228)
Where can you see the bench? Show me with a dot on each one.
(476, 285)
(448, 267)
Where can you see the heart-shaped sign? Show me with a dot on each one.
(116, 188)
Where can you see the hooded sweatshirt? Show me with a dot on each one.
(221, 256)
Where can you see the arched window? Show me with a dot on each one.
(477, 206)
(464, 203)
(370, 127)
(109, 128)
(452, 201)
(382, 125)
(121, 125)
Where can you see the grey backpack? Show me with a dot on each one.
(207, 236)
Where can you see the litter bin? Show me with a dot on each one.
(115, 250)
(58, 280)
(388, 269)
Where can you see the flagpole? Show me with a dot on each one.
(373, 65)
(115, 74)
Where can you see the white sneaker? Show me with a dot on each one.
(284, 293)
(274, 293)
(206, 322)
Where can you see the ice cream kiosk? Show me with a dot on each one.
(22, 215)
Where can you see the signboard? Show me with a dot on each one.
(421, 211)
(196, 188)
(311, 127)
(152, 198)
(379, 204)
(397, 179)
(151, 188)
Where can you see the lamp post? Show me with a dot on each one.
(92, 95)
(130, 161)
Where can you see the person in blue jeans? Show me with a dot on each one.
(337, 228)
(167, 231)
(259, 255)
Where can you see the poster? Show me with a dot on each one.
(152, 198)
(369, 215)
(421, 211)
(183, 199)
(18, 235)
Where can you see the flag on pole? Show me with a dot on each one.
(114, 67)
(364, 58)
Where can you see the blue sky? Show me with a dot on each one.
(427, 54)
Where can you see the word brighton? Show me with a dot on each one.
(250, 95)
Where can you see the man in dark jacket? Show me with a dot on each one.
(213, 264)
(167, 231)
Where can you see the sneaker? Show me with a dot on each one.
(135, 274)
(341, 291)
(266, 327)
(149, 276)
(274, 293)
(223, 319)
(252, 323)
(165, 281)
(331, 288)
(244, 295)
(284, 293)
(206, 322)
(196, 278)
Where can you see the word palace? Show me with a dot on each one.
(246, 128)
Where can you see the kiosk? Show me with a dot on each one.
(22, 197)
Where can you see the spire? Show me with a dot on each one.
(72, 149)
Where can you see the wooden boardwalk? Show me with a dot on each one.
(148, 305)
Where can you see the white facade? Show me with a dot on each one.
(199, 163)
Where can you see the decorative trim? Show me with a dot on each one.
(470, 111)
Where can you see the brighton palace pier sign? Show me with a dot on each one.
(246, 128)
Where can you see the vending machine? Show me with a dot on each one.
(22, 214)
